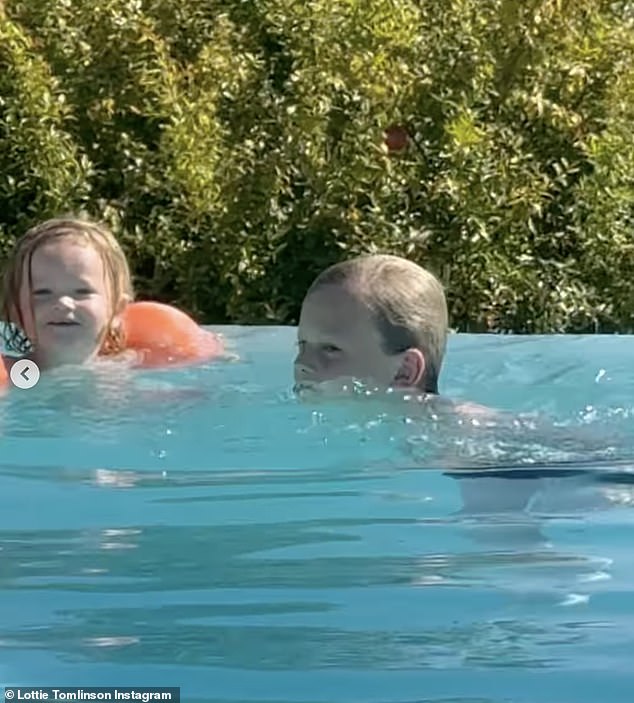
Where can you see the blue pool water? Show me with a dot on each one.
(203, 528)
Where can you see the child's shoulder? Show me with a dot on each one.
(464, 409)
(474, 411)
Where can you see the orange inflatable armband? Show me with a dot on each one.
(162, 335)
(4, 374)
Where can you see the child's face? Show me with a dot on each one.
(338, 339)
(68, 309)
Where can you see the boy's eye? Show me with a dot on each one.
(326, 348)
(41, 291)
(84, 291)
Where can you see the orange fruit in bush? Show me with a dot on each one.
(396, 138)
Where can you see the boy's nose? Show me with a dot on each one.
(302, 370)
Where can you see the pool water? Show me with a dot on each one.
(204, 528)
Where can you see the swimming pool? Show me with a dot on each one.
(204, 529)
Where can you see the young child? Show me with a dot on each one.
(377, 319)
(66, 287)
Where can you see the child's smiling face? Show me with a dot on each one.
(66, 302)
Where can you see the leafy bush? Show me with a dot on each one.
(238, 148)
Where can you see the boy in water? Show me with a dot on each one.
(377, 319)
(382, 320)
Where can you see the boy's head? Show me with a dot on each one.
(65, 287)
(379, 319)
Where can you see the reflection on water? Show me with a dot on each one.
(255, 596)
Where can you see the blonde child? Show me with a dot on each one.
(67, 299)
(382, 320)
(66, 286)
(378, 319)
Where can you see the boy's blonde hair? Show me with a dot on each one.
(115, 265)
(407, 303)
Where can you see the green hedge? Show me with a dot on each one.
(237, 147)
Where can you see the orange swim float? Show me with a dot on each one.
(4, 374)
(161, 335)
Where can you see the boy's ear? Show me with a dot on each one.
(411, 370)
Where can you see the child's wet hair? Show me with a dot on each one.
(407, 303)
(82, 230)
